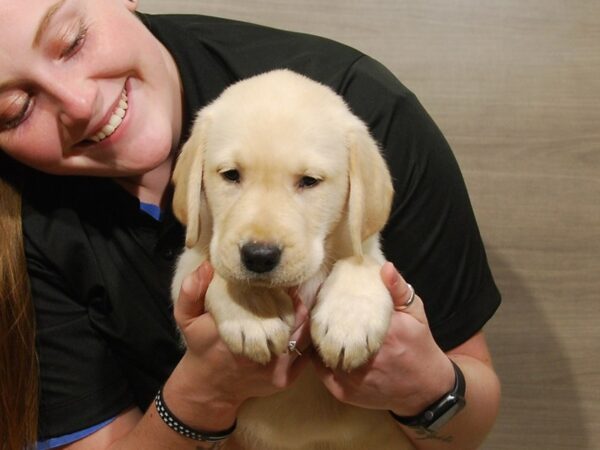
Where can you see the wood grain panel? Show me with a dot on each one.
(515, 86)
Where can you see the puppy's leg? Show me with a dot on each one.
(352, 313)
(254, 322)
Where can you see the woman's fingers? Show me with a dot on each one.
(190, 303)
(300, 337)
(405, 299)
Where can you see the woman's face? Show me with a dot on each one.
(85, 89)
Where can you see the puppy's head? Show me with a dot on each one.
(276, 169)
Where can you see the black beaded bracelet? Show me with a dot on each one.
(175, 424)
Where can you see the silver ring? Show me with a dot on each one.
(410, 300)
(292, 348)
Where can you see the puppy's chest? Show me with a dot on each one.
(309, 290)
(307, 417)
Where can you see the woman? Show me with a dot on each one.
(97, 100)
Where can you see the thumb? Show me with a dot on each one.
(190, 303)
(300, 310)
(401, 293)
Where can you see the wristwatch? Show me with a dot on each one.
(439, 413)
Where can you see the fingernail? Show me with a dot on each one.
(204, 272)
(395, 276)
(188, 283)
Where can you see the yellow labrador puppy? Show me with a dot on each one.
(280, 185)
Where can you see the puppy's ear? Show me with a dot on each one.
(187, 178)
(371, 189)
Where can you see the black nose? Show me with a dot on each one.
(260, 257)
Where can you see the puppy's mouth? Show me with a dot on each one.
(280, 276)
(272, 280)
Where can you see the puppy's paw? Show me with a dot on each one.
(255, 323)
(256, 338)
(352, 315)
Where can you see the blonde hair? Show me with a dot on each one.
(18, 361)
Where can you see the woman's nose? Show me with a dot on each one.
(74, 99)
(76, 104)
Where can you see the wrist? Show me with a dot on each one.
(198, 403)
(210, 416)
(184, 429)
(429, 387)
(438, 413)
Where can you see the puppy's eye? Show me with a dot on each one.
(307, 182)
(231, 175)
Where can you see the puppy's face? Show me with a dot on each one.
(276, 184)
(275, 169)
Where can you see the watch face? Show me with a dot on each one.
(439, 413)
(455, 404)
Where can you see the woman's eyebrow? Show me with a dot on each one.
(45, 22)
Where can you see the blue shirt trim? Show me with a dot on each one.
(70, 438)
(152, 210)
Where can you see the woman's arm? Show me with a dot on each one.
(410, 372)
(470, 427)
(208, 385)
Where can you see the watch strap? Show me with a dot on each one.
(432, 417)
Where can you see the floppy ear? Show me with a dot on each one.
(187, 178)
(371, 190)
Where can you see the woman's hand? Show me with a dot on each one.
(408, 373)
(210, 383)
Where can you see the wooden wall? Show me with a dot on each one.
(515, 86)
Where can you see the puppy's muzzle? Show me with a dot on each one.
(260, 257)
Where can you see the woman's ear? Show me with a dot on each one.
(131, 4)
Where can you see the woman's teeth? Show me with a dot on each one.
(115, 120)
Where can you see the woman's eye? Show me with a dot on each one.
(307, 182)
(75, 43)
(231, 175)
(16, 113)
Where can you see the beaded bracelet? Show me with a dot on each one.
(175, 424)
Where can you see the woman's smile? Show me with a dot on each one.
(114, 122)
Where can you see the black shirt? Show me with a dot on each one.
(100, 268)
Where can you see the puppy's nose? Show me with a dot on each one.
(260, 257)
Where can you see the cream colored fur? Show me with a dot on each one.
(274, 130)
